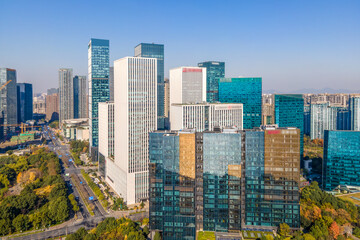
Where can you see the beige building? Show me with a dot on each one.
(52, 107)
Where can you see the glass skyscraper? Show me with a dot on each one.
(289, 112)
(8, 98)
(223, 181)
(214, 72)
(341, 159)
(354, 107)
(152, 50)
(25, 102)
(247, 91)
(80, 93)
(98, 57)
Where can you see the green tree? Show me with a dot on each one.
(308, 236)
(157, 236)
(21, 223)
(5, 227)
(284, 229)
(146, 231)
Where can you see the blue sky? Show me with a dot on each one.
(291, 44)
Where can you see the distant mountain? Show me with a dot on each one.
(312, 90)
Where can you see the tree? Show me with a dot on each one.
(142, 204)
(145, 221)
(146, 231)
(334, 230)
(21, 223)
(5, 227)
(284, 229)
(157, 236)
(308, 236)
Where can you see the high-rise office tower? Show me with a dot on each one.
(323, 117)
(307, 121)
(343, 119)
(247, 91)
(167, 97)
(39, 104)
(135, 88)
(206, 116)
(52, 107)
(223, 181)
(25, 102)
(289, 112)
(214, 72)
(8, 98)
(111, 83)
(66, 94)
(354, 107)
(187, 85)
(341, 159)
(80, 93)
(106, 143)
(151, 50)
(98, 76)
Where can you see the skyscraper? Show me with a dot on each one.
(187, 85)
(206, 116)
(343, 119)
(307, 119)
(289, 112)
(354, 107)
(25, 102)
(98, 63)
(214, 72)
(341, 159)
(8, 98)
(52, 107)
(223, 181)
(66, 94)
(51, 91)
(247, 91)
(111, 83)
(151, 50)
(135, 87)
(323, 117)
(80, 93)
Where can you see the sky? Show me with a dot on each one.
(292, 45)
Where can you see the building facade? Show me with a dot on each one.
(341, 159)
(187, 85)
(98, 76)
(8, 98)
(223, 181)
(343, 119)
(51, 91)
(152, 50)
(111, 83)
(289, 112)
(106, 139)
(206, 116)
(307, 119)
(135, 88)
(66, 94)
(214, 72)
(354, 107)
(52, 107)
(323, 117)
(25, 102)
(80, 93)
(247, 91)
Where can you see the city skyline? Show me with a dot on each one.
(292, 42)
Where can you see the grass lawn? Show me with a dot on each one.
(206, 236)
(349, 198)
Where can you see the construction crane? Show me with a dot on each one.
(5, 84)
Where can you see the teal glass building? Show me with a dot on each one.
(247, 91)
(98, 57)
(289, 112)
(152, 50)
(214, 72)
(341, 159)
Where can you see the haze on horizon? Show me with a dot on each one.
(292, 45)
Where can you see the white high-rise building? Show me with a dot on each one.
(206, 116)
(66, 94)
(187, 85)
(135, 98)
(322, 117)
(107, 167)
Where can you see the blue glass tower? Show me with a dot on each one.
(247, 91)
(151, 50)
(214, 72)
(98, 55)
(289, 112)
(341, 159)
(25, 102)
